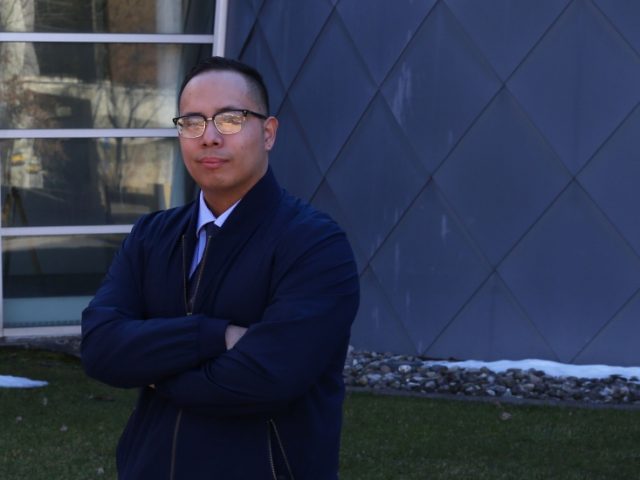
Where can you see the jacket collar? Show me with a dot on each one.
(254, 207)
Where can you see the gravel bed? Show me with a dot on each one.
(416, 375)
(385, 371)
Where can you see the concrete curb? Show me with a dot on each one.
(69, 345)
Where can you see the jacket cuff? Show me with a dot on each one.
(212, 337)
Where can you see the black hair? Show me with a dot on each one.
(221, 64)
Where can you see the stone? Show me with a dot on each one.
(404, 368)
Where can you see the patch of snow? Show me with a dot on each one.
(554, 369)
(7, 381)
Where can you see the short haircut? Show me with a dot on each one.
(221, 64)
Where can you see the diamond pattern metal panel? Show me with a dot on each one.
(241, 16)
(291, 29)
(292, 159)
(377, 206)
(342, 89)
(572, 272)
(569, 87)
(505, 30)
(378, 326)
(514, 193)
(428, 268)
(481, 156)
(381, 38)
(258, 54)
(611, 178)
(623, 15)
(615, 344)
(492, 326)
(326, 200)
(429, 90)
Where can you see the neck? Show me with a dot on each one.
(220, 199)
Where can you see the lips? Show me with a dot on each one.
(212, 162)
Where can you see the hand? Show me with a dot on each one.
(233, 334)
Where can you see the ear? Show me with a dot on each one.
(270, 130)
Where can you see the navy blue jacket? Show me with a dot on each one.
(271, 406)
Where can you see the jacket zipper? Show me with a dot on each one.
(189, 309)
(188, 306)
(174, 446)
(185, 276)
(272, 425)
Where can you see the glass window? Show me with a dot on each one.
(49, 280)
(83, 181)
(63, 85)
(86, 182)
(107, 16)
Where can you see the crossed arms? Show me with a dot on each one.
(212, 366)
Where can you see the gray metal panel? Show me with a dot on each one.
(259, 56)
(291, 28)
(381, 38)
(429, 90)
(332, 89)
(292, 159)
(623, 16)
(505, 30)
(568, 84)
(377, 326)
(325, 200)
(611, 178)
(501, 177)
(428, 268)
(572, 272)
(390, 180)
(617, 343)
(492, 326)
(241, 16)
(503, 253)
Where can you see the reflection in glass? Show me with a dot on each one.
(62, 85)
(108, 16)
(83, 181)
(48, 280)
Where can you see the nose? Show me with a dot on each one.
(211, 135)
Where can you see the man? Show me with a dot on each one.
(236, 333)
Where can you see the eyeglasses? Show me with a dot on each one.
(227, 122)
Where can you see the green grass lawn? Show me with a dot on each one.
(69, 429)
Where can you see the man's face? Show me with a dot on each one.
(225, 166)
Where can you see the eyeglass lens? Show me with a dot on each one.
(227, 123)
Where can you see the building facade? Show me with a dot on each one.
(482, 157)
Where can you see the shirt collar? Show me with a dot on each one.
(205, 215)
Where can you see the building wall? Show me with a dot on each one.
(482, 157)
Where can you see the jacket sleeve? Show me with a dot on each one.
(305, 327)
(121, 348)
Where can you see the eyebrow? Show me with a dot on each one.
(222, 110)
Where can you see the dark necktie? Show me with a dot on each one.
(211, 230)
